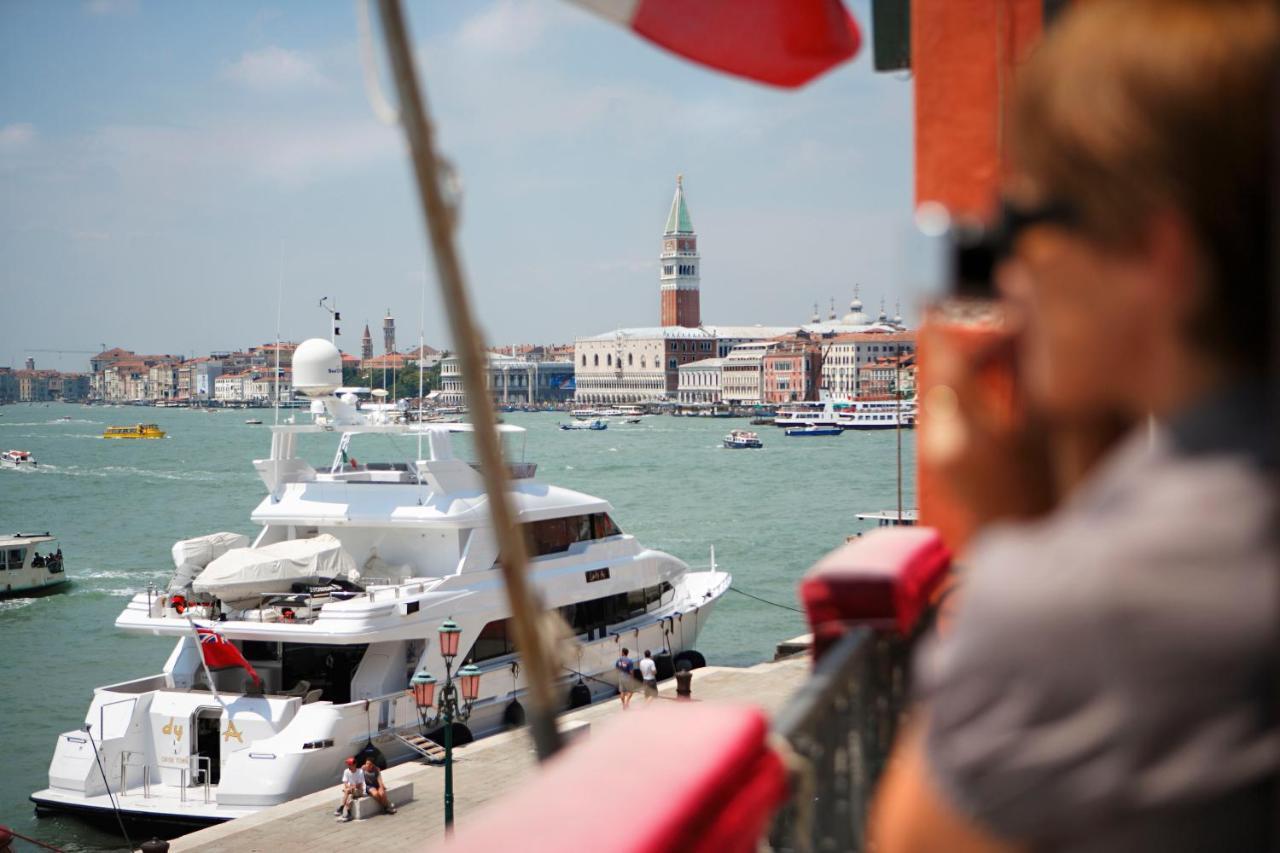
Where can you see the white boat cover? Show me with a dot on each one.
(242, 574)
(190, 556)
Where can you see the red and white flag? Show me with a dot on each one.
(221, 653)
(782, 42)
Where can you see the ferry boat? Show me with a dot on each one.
(17, 459)
(878, 414)
(817, 413)
(813, 431)
(739, 439)
(135, 431)
(337, 603)
(24, 570)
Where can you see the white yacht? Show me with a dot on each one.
(24, 571)
(337, 603)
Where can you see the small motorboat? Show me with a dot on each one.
(254, 421)
(17, 459)
(740, 439)
(814, 431)
(595, 424)
(631, 420)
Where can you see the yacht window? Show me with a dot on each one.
(555, 535)
(326, 668)
(495, 640)
(16, 557)
(598, 614)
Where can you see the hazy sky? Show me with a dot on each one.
(166, 167)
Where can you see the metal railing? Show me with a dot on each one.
(841, 725)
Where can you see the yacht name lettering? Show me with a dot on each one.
(232, 732)
(594, 575)
(173, 728)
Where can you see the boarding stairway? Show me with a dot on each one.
(425, 747)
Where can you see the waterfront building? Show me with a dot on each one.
(8, 385)
(743, 380)
(845, 355)
(728, 337)
(637, 365)
(679, 266)
(700, 381)
(424, 356)
(196, 378)
(33, 385)
(511, 380)
(887, 376)
(792, 372)
(230, 387)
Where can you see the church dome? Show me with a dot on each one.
(855, 317)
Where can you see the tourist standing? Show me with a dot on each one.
(649, 674)
(625, 667)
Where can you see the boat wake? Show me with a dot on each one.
(9, 605)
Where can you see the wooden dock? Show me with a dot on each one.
(483, 771)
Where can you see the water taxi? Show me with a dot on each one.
(17, 459)
(135, 431)
(740, 439)
(595, 424)
(24, 571)
(337, 603)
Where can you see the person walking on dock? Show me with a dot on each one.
(625, 667)
(352, 789)
(649, 674)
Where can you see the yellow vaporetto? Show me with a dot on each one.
(135, 431)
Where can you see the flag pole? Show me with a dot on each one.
(204, 663)
(440, 222)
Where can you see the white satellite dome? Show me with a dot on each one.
(317, 368)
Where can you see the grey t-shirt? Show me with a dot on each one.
(1108, 681)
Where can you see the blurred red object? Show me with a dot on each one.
(688, 777)
(884, 580)
(781, 42)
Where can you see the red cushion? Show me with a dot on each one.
(884, 579)
(687, 776)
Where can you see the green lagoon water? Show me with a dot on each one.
(118, 506)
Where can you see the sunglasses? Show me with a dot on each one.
(976, 251)
(1013, 218)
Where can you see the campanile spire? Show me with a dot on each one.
(680, 262)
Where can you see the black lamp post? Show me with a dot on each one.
(449, 710)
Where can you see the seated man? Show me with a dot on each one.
(1108, 680)
(374, 787)
(352, 789)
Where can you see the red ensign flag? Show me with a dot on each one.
(782, 42)
(221, 653)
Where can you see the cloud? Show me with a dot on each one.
(275, 69)
(508, 26)
(285, 152)
(111, 7)
(16, 136)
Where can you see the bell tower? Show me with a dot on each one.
(680, 265)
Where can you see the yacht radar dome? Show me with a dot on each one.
(317, 368)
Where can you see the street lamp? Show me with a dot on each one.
(423, 686)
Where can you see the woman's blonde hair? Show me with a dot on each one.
(1133, 106)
